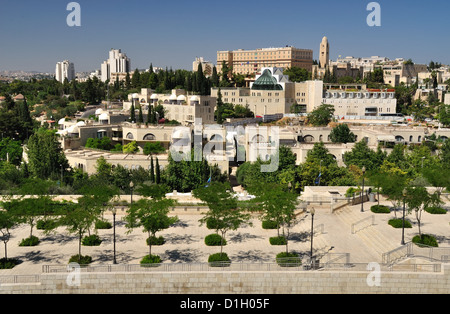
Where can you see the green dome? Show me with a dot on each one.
(266, 82)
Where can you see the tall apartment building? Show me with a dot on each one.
(117, 62)
(252, 61)
(64, 70)
(207, 67)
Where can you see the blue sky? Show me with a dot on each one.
(34, 34)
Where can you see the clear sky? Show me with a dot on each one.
(34, 34)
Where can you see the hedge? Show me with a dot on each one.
(281, 240)
(380, 209)
(219, 260)
(31, 241)
(81, 259)
(92, 240)
(147, 260)
(269, 224)
(398, 223)
(288, 259)
(425, 239)
(435, 210)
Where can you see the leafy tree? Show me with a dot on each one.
(362, 156)
(153, 148)
(188, 175)
(7, 222)
(277, 205)
(78, 220)
(131, 148)
(417, 198)
(297, 74)
(151, 215)
(223, 210)
(11, 150)
(321, 116)
(393, 188)
(342, 134)
(46, 158)
(444, 115)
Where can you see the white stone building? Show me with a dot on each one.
(64, 70)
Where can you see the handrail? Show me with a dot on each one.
(387, 256)
(238, 266)
(372, 218)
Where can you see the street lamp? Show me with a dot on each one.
(362, 191)
(114, 211)
(131, 191)
(312, 211)
(403, 219)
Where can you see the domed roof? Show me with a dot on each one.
(194, 98)
(173, 97)
(81, 123)
(73, 129)
(98, 111)
(135, 96)
(154, 96)
(181, 97)
(104, 116)
(266, 82)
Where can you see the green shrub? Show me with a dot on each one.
(81, 259)
(281, 240)
(398, 223)
(436, 210)
(155, 240)
(92, 240)
(288, 259)
(425, 239)
(269, 224)
(8, 263)
(219, 260)
(150, 260)
(31, 241)
(47, 224)
(215, 240)
(380, 209)
(102, 224)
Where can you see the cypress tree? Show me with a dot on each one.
(157, 172)
(152, 170)
(141, 116)
(132, 113)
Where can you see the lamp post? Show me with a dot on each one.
(114, 211)
(131, 192)
(403, 219)
(312, 211)
(362, 191)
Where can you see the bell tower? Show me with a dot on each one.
(324, 57)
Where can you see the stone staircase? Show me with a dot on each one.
(320, 244)
(373, 243)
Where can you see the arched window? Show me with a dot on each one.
(308, 138)
(149, 137)
(130, 136)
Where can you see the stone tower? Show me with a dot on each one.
(324, 53)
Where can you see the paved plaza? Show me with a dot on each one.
(249, 244)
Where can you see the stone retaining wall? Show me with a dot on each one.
(212, 282)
